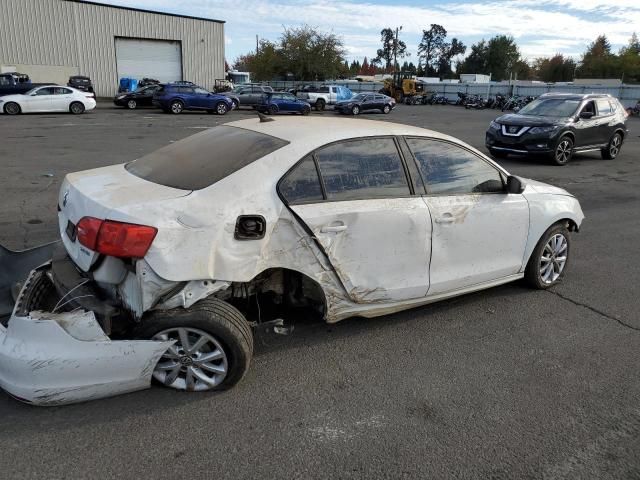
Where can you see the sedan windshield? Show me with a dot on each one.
(551, 107)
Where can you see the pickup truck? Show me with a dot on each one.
(325, 95)
(15, 83)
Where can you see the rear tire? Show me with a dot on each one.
(176, 107)
(612, 150)
(273, 109)
(544, 254)
(320, 104)
(306, 111)
(38, 293)
(12, 108)
(132, 104)
(211, 316)
(76, 108)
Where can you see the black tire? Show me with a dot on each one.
(176, 107)
(563, 152)
(12, 108)
(273, 109)
(612, 149)
(386, 109)
(220, 320)
(76, 108)
(355, 110)
(132, 104)
(235, 105)
(498, 153)
(532, 273)
(320, 104)
(38, 293)
(222, 108)
(306, 111)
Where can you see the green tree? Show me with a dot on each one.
(448, 52)
(499, 57)
(555, 69)
(629, 60)
(599, 62)
(431, 47)
(390, 49)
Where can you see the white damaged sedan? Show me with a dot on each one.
(169, 261)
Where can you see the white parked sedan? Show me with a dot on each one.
(50, 98)
(192, 245)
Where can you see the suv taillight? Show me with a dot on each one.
(115, 239)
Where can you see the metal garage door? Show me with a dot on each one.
(159, 59)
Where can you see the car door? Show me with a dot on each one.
(61, 99)
(362, 212)
(145, 96)
(369, 103)
(586, 129)
(605, 120)
(479, 230)
(39, 101)
(289, 103)
(202, 98)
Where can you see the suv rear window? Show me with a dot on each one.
(204, 158)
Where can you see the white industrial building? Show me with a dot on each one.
(50, 40)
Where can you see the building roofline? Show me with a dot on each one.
(89, 2)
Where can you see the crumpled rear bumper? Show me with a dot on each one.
(56, 359)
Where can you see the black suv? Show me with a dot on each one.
(557, 125)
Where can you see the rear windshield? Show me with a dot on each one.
(204, 158)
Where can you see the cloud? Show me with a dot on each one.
(541, 27)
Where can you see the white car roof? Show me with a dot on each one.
(315, 132)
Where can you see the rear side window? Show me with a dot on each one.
(204, 158)
(302, 185)
(362, 169)
(604, 107)
(448, 169)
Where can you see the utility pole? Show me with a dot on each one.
(395, 49)
(257, 49)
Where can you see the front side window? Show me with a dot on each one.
(362, 169)
(201, 91)
(302, 185)
(448, 169)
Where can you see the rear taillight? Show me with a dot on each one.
(115, 239)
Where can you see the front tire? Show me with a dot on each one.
(213, 349)
(306, 111)
(235, 105)
(612, 150)
(386, 109)
(76, 108)
(549, 259)
(355, 110)
(12, 108)
(221, 108)
(564, 151)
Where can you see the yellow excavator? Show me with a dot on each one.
(405, 88)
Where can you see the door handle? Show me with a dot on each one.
(446, 218)
(333, 228)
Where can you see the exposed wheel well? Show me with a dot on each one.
(621, 132)
(276, 293)
(569, 134)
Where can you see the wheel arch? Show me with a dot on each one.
(568, 220)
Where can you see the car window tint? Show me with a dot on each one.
(450, 169)
(5, 81)
(360, 169)
(201, 91)
(204, 158)
(301, 185)
(63, 91)
(604, 108)
(45, 91)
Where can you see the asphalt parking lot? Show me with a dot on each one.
(505, 383)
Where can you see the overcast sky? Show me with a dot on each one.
(540, 27)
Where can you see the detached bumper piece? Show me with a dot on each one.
(62, 358)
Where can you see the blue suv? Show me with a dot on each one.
(177, 97)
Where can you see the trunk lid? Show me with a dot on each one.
(98, 193)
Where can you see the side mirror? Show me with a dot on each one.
(514, 185)
(586, 115)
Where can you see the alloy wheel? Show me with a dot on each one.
(553, 258)
(131, 104)
(614, 147)
(196, 361)
(12, 108)
(176, 107)
(221, 109)
(563, 151)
